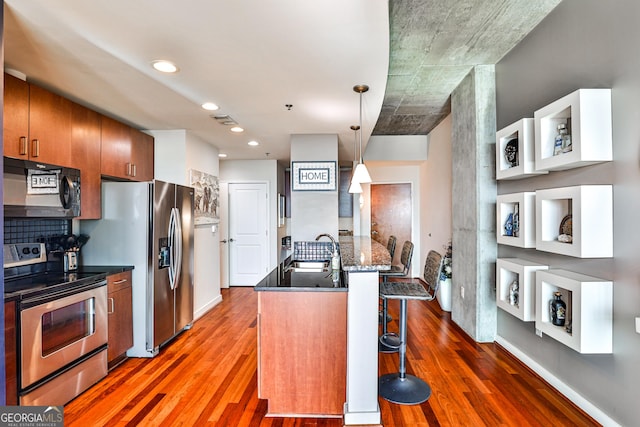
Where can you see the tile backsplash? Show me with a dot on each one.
(35, 230)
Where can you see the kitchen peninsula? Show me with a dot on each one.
(317, 336)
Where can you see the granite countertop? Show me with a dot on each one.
(361, 253)
(282, 279)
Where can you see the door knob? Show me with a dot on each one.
(223, 241)
(374, 232)
(231, 240)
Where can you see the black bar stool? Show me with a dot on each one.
(400, 387)
(390, 342)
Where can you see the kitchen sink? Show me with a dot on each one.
(309, 266)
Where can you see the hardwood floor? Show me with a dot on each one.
(207, 377)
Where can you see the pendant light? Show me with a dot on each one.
(361, 173)
(355, 186)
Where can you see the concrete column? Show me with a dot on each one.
(473, 107)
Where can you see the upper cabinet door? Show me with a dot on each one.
(142, 153)
(16, 117)
(116, 149)
(85, 146)
(49, 127)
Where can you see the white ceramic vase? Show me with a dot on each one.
(444, 294)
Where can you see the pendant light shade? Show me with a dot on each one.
(354, 186)
(361, 173)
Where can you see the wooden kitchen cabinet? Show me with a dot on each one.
(37, 123)
(85, 146)
(302, 352)
(126, 153)
(10, 353)
(15, 127)
(120, 309)
(142, 155)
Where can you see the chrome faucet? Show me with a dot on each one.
(335, 256)
(333, 241)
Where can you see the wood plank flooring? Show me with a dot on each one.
(207, 377)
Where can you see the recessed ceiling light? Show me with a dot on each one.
(210, 106)
(237, 129)
(165, 66)
(253, 143)
(222, 155)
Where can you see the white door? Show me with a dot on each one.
(248, 233)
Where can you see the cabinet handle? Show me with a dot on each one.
(23, 146)
(128, 172)
(117, 282)
(35, 148)
(134, 169)
(113, 308)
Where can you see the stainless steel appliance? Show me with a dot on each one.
(62, 323)
(148, 225)
(39, 190)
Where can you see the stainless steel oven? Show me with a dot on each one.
(63, 343)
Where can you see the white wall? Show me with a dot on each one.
(585, 44)
(176, 153)
(314, 212)
(244, 171)
(435, 191)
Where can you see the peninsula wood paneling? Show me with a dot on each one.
(302, 352)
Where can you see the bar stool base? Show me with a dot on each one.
(389, 343)
(409, 390)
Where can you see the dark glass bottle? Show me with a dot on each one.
(557, 309)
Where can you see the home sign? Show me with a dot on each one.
(313, 176)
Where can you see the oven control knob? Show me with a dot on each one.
(35, 250)
(26, 250)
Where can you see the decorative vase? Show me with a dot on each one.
(513, 293)
(508, 225)
(443, 295)
(557, 309)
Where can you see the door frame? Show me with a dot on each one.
(365, 220)
(225, 248)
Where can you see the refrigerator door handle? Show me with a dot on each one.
(178, 242)
(172, 261)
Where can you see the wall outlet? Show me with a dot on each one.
(539, 332)
(462, 291)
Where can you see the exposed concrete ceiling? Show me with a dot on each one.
(253, 58)
(433, 46)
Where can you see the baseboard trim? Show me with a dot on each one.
(556, 383)
(203, 310)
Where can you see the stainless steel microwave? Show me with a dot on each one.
(39, 190)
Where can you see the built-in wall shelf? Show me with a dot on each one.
(575, 221)
(589, 317)
(524, 205)
(586, 113)
(523, 272)
(520, 163)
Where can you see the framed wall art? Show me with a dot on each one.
(205, 204)
(313, 176)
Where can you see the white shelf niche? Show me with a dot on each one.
(591, 210)
(589, 309)
(522, 132)
(505, 205)
(508, 270)
(587, 114)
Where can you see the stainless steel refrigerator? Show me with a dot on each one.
(148, 225)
